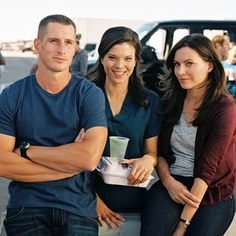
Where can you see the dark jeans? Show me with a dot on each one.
(48, 221)
(161, 215)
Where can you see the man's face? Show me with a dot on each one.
(232, 55)
(225, 48)
(56, 47)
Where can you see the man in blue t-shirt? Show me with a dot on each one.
(79, 63)
(230, 70)
(52, 190)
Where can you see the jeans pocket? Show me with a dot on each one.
(90, 219)
(13, 213)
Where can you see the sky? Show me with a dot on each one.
(19, 19)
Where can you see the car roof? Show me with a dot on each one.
(195, 26)
(191, 22)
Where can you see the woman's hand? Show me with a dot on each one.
(180, 194)
(142, 168)
(111, 218)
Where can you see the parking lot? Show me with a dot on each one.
(18, 65)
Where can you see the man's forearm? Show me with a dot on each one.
(16, 168)
(67, 158)
(72, 157)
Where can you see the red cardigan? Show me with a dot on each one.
(215, 158)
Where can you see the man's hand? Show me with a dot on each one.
(80, 136)
(17, 151)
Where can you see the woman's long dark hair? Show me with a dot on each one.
(111, 37)
(175, 95)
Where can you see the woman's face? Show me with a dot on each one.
(119, 63)
(190, 69)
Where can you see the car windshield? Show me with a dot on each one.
(145, 28)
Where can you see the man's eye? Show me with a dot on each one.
(69, 42)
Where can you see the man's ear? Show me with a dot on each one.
(36, 45)
(218, 45)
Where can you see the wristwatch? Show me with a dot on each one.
(23, 149)
(186, 222)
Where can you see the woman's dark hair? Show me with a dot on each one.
(111, 37)
(216, 82)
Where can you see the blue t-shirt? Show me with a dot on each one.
(136, 123)
(29, 113)
(231, 85)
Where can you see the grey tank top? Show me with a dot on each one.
(183, 144)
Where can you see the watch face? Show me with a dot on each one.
(25, 145)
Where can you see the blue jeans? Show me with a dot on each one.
(161, 215)
(48, 221)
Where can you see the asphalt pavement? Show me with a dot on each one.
(18, 65)
(3, 194)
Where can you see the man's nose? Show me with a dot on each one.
(61, 47)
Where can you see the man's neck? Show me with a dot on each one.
(53, 83)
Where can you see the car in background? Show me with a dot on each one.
(162, 36)
(90, 47)
(157, 39)
(28, 46)
(10, 46)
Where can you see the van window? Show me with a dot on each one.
(211, 33)
(157, 41)
(145, 28)
(179, 34)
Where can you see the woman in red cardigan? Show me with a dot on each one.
(194, 196)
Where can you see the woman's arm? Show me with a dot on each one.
(198, 189)
(177, 191)
(219, 138)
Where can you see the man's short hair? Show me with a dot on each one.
(218, 39)
(56, 19)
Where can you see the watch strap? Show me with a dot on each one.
(23, 150)
(186, 222)
(23, 153)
